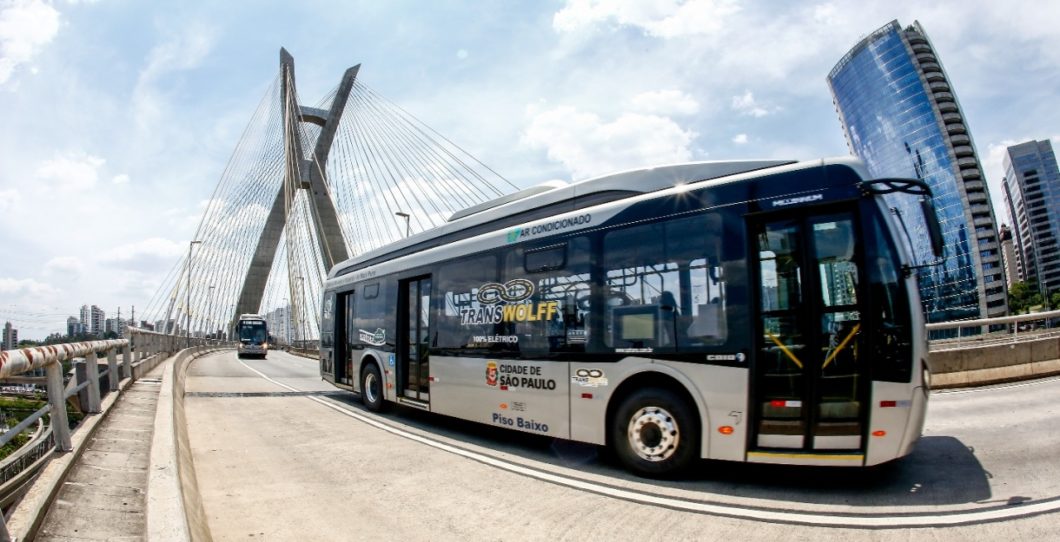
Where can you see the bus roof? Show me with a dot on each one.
(596, 190)
(251, 317)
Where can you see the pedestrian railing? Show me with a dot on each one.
(992, 331)
(140, 351)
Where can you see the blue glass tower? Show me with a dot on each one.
(1032, 191)
(901, 118)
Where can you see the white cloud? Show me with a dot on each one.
(740, 139)
(660, 18)
(26, 288)
(26, 26)
(120, 179)
(9, 199)
(155, 248)
(64, 266)
(745, 104)
(665, 102)
(461, 54)
(588, 145)
(76, 171)
(184, 51)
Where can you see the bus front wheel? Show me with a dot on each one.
(372, 388)
(653, 433)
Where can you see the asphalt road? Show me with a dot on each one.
(280, 454)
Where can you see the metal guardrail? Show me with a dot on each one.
(18, 470)
(1001, 330)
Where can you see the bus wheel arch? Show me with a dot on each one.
(654, 425)
(372, 385)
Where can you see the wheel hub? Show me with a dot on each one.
(370, 385)
(653, 434)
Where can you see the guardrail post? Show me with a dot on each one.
(112, 369)
(56, 391)
(126, 361)
(92, 368)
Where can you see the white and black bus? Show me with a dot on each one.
(749, 311)
(253, 333)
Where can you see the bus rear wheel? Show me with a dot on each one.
(653, 433)
(372, 388)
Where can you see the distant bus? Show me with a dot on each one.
(747, 311)
(253, 335)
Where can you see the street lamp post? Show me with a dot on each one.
(209, 313)
(287, 335)
(406, 217)
(187, 309)
(301, 312)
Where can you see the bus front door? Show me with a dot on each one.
(810, 391)
(413, 337)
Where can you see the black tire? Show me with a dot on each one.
(372, 388)
(655, 433)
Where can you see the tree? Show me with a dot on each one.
(1019, 296)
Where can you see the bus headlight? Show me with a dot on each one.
(264, 346)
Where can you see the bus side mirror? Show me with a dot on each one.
(933, 227)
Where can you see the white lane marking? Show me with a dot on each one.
(1025, 384)
(733, 511)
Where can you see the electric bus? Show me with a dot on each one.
(253, 335)
(758, 311)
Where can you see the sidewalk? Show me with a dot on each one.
(104, 495)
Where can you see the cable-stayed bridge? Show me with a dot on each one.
(308, 187)
(168, 451)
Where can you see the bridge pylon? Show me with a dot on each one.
(301, 173)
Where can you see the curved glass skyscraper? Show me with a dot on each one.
(901, 118)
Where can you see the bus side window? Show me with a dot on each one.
(372, 324)
(462, 320)
(327, 322)
(665, 284)
(559, 306)
(640, 278)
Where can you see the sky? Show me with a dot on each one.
(117, 117)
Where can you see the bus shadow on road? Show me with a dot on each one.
(940, 471)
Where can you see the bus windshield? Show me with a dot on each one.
(252, 332)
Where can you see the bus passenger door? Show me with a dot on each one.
(413, 339)
(810, 391)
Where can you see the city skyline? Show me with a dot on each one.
(123, 116)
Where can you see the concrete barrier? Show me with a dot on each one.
(995, 364)
(174, 505)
